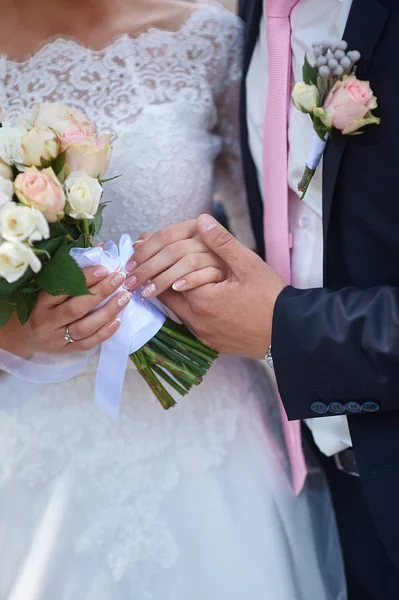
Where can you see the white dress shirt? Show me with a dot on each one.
(311, 20)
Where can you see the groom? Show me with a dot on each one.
(335, 348)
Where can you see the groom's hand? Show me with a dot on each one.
(233, 316)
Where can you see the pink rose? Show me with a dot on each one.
(71, 126)
(42, 190)
(92, 158)
(348, 106)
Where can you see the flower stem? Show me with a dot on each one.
(157, 388)
(177, 357)
(178, 387)
(171, 329)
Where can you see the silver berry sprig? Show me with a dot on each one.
(332, 60)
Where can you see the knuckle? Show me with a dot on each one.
(86, 344)
(222, 238)
(73, 311)
(200, 306)
(172, 253)
(193, 262)
(166, 235)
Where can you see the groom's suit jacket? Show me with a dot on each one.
(336, 349)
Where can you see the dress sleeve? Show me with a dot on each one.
(230, 178)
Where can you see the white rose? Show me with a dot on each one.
(23, 224)
(11, 143)
(6, 190)
(39, 143)
(83, 194)
(306, 97)
(15, 259)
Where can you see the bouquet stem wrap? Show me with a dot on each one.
(140, 321)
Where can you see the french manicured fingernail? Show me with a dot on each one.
(100, 272)
(131, 266)
(179, 285)
(149, 291)
(115, 324)
(206, 222)
(131, 281)
(124, 299)
(137, 242)
(118, 278)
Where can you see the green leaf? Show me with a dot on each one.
(6, 310)
(25, 304)
(320, 128)
(97, 222)
(7, 289)
(57, 230)
(309, 73)
(62, 276)
(101, 181)
(58, 163)
(45, 163)
(79, 243)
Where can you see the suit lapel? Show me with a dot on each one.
(252, 19)
(252, 13)
(366, 22)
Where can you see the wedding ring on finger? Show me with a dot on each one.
(67, 336)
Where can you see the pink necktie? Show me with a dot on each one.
(275, 172)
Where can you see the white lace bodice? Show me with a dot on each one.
(171, 98)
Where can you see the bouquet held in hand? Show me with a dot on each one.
(52, 172)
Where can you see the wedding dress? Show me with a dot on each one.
(190, 504)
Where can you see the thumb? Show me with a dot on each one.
(220, 241)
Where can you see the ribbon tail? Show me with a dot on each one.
(112, 369)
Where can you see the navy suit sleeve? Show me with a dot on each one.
(337, 352)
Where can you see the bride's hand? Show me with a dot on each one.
(173, 257)
(45, 330)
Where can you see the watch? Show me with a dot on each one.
(269, 357)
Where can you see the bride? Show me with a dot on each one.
(190, 504)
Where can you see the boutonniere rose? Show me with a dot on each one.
(334, 98)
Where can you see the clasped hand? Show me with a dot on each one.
(222, 291)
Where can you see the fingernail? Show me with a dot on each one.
(130, 281)
(149, 290)
(131, 266)
(115, 324)
(179, 285)
(118, 278)
(124, 299)
(206, 222)
(137, 242)
(100, 272)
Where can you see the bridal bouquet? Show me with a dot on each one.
(333, 97)
(52, 168)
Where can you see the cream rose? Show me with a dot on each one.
(39, 143)
(93, 158)
(305, 97)
(71, 126)
(5, 171)
(11, 143)
(23, 224)
(15, 259)
(83, 194)
(42, 190)
(6, 191)
(348, 106)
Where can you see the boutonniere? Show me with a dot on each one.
(333, 97)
